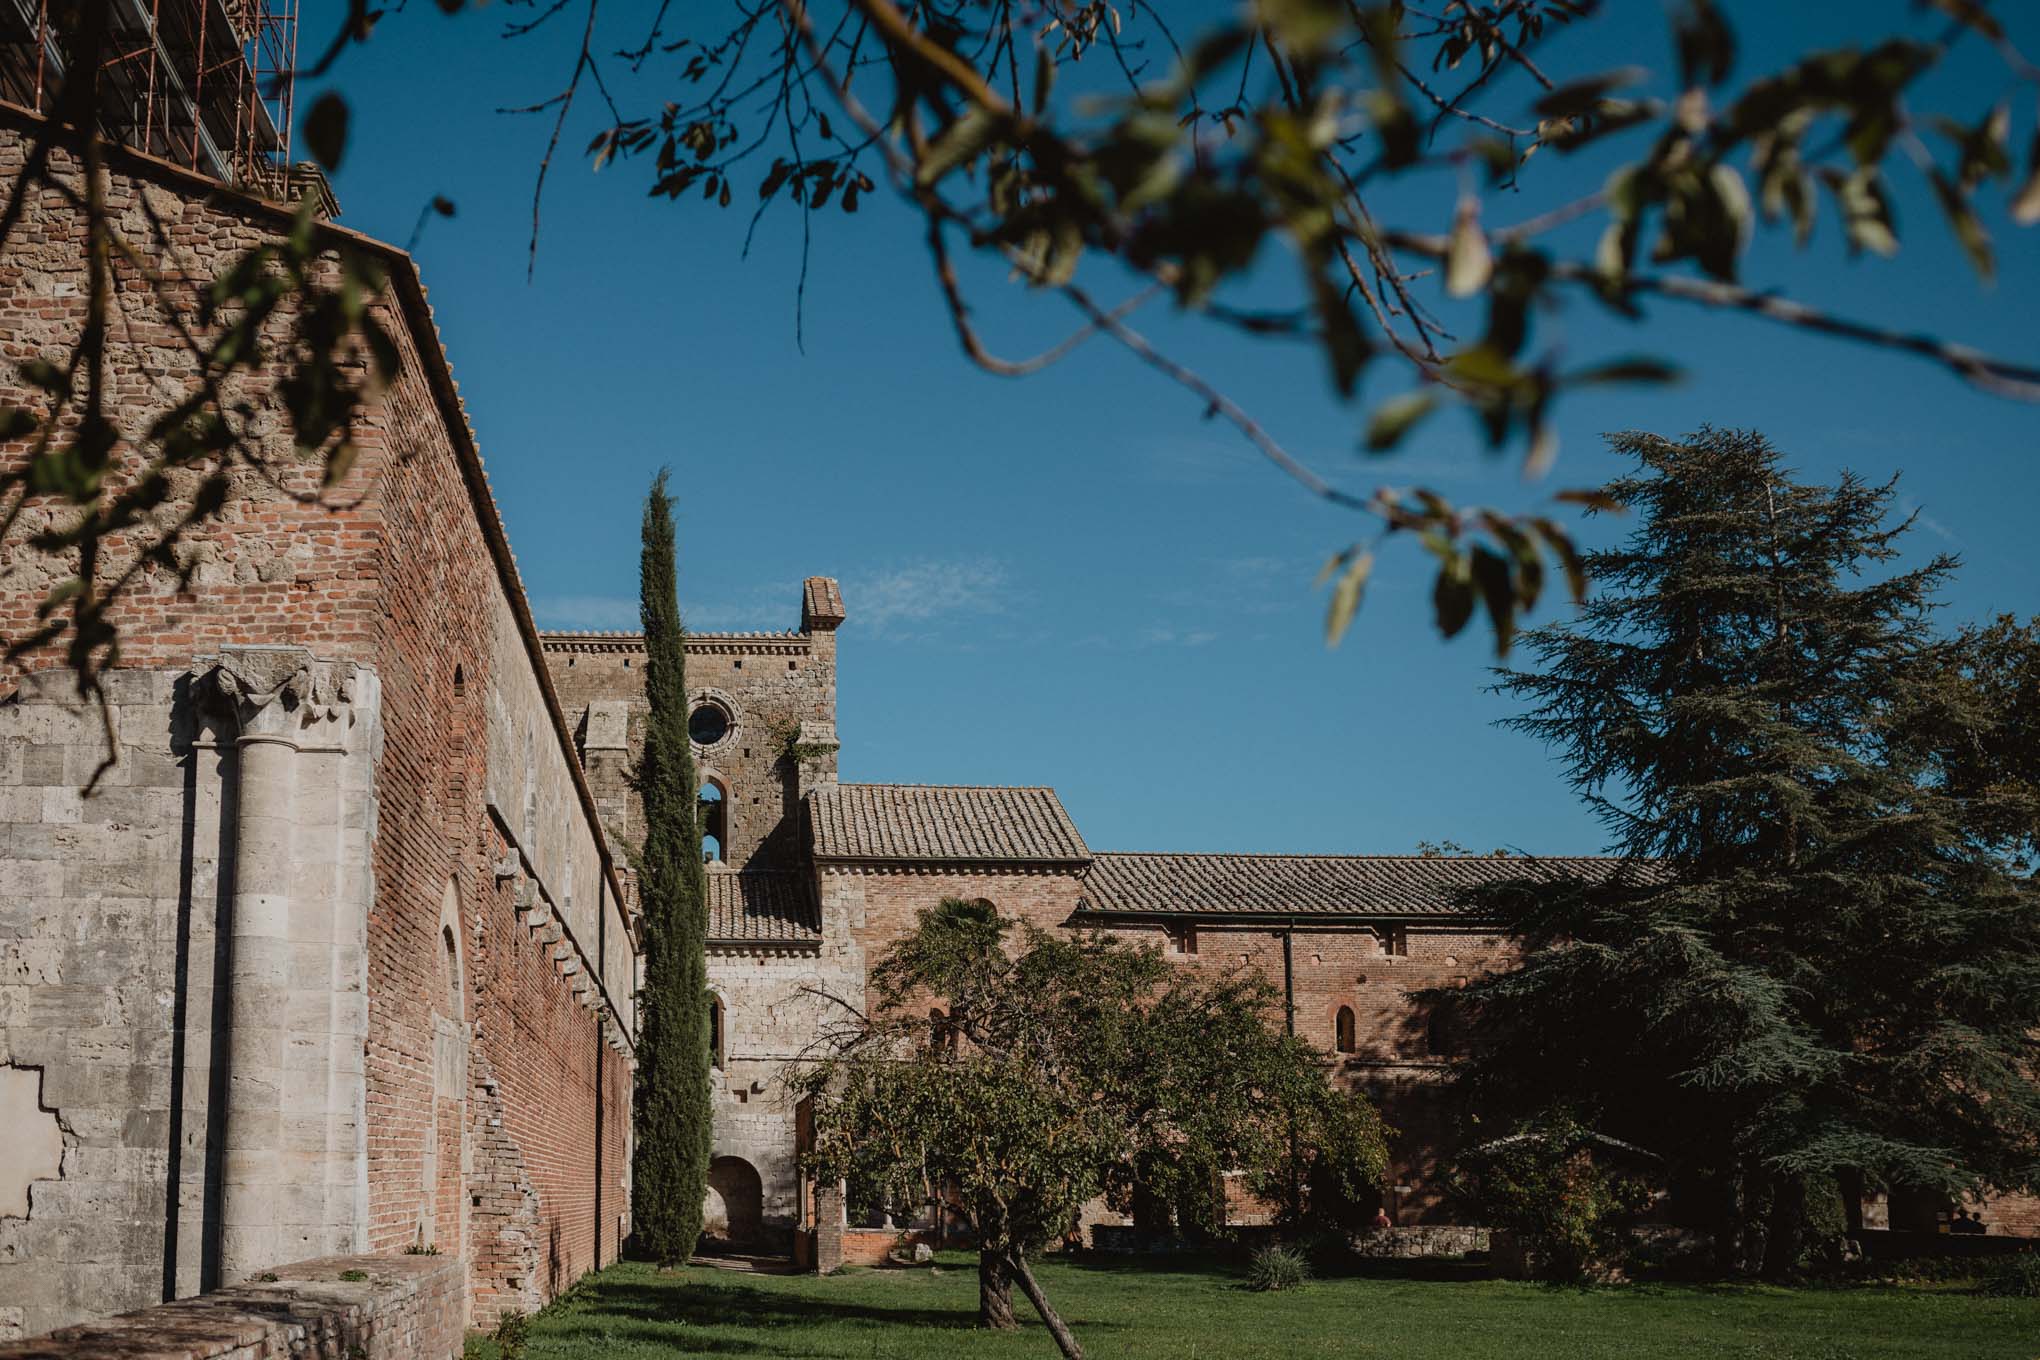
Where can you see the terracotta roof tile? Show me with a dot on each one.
(762, 906)
(1314, 885)
(923, 822)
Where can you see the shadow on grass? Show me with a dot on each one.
(677, 1311)
(1223, 1265)
(733, 1304)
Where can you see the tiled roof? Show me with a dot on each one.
(1314, 885)
(924, 822)
(763, 907)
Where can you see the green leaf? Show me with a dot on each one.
(1581, 96)
(16, 421)
(2026, 202)
(1498, 592)
(1962, 220)
(1635, 368)
(1345, 346)
(326, 130)
(973, 130)
(1305, 25)
(1866, 209)
(1346, 597)
(1452, 596)
(1706, 44)
(1397, 416)
(1561, 543)
(1592, 499)
(1468, 263)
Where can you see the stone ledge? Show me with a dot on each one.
(408, 1306)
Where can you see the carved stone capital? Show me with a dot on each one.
(282, 694)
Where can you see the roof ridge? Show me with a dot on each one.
(1347, 854)
(872, 784)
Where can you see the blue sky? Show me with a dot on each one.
(1071, 579)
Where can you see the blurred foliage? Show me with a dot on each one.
(1169, 166)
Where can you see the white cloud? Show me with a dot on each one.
(922, 591)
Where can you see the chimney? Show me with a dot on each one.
(821, 605)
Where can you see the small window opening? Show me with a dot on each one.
(715, 1030)
(1344, 1031)
(452, 972)
(1395, 942)
(459, 683)
(1183, 939)
(1438, 1032)
(738, 664)
(713, 813)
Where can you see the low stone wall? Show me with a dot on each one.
(402, 1308)
(872, 1246)
(1420, 1242)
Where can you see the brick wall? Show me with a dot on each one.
(485, 1060)
(401, 1308)
(1372, 972)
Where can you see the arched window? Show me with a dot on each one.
(715, 1030)
(450, 1003)
(459, 682)
(1438, 1029)
(714, 812)
(1344, 1027)
(452, 952)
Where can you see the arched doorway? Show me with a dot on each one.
(734, 1210)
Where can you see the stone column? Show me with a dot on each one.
(293, 1170)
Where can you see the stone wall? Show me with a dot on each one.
(776, 687)
(338, 1308)
(878, 904)
(773, 1012)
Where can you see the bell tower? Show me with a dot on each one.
(761, 716)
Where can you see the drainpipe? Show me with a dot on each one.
(601, 1041)
(1289, 976)
(1289, 1019)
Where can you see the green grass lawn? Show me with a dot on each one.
(1181, 1310)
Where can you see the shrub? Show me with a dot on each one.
(2012, 1277)
(510, 1335)
(1552, 1185)
(1277, 1267)
(354, 1276)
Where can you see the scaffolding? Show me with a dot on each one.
(204, 83)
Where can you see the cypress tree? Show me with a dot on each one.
(1830, 978)
(669, 1167)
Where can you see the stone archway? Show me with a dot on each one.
(734, 1209)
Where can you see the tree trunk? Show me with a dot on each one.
(1783, 1242)
(1850, 1179)
(995, 1292)
(1065, 1340)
